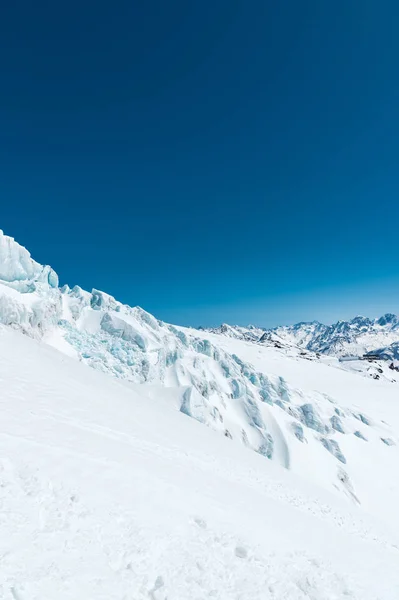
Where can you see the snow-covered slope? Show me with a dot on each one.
(343, 403)
(266, 397)
(107, 491)
(390, 353)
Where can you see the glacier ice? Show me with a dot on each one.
(311, 419)
(333, 447)
(298, 431)
(388, 441)
(19, 271)
(336, 424)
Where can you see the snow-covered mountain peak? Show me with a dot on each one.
(360, 321)
(357, 336)
(388, 320)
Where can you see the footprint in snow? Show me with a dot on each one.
(159, 583)
(200, 522)
(241, 552)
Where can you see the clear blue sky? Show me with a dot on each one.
(210, 161)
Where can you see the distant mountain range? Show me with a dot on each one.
(344, 338)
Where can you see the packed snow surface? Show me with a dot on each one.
(107, 492)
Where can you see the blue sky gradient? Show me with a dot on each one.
(209, 161)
